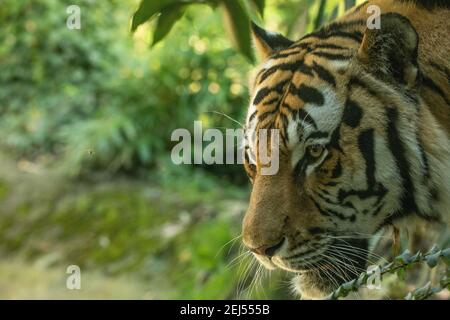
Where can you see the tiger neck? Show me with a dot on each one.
(430, 188)
(433, 26)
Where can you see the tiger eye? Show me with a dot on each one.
(315, 150)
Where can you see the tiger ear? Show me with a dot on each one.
(391, 51)
(267, 42)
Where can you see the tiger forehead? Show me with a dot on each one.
(300, 57)
(297, 91)
(284, 82)
(283, 88)
(276, 85)
(287, 60)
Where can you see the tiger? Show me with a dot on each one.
(363, 116)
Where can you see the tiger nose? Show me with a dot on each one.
(268, 250)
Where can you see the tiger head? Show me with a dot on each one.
(345, 101)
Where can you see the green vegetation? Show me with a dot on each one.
(237, 14)
(400, 265)
(85, 170)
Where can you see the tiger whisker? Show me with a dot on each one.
(355, 253)
(350, 267)
(362, 251)
(328, 274)
(236, 259)
(227, 116)
(233, 241)
(243, 276)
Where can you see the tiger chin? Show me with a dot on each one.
(363, 116)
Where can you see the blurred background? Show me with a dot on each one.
(86, 177)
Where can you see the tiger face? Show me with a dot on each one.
(345, 101)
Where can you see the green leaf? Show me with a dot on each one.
(169, 16)
(237, 25)
(349, 4)
(338, 292)
(404, 257)
(320, 14)
(446, 256)
(147, 10)
(445, 282)
(253, 10)
(362, 279)
(423, 290)
(446, 253)
(416, 257)
(433, 259)
(348, 286)
(409, 296)
(401, 274)
(259, 4)
(433, 250)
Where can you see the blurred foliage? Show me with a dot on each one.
(237, 15)
(95, 99)
(176, 238)
(85, 170)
